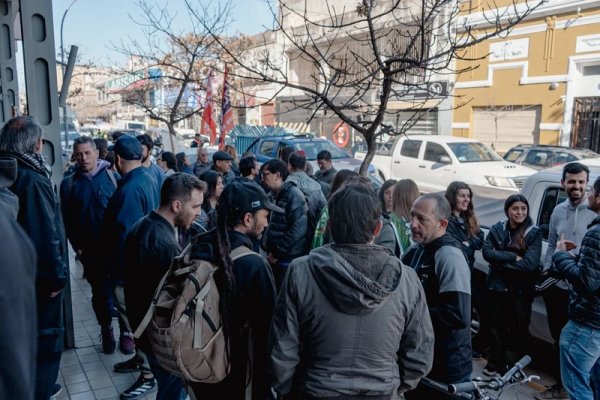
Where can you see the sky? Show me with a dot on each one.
(94, 24)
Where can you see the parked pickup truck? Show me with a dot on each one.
(433, 161)
(544, 192)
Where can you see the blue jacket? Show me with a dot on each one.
(84, 199)
(157, 173)
(135, 197)
(583, 273)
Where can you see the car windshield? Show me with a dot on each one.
(312, 148)
(473, 152)
(587, 154)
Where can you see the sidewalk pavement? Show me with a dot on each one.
(87, 374)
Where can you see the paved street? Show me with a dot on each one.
(87, 374)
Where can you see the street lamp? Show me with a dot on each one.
(62, 64)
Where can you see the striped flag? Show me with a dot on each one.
(209, 126)
(226, 112)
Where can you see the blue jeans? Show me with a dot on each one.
(580, 361)
(169, 386)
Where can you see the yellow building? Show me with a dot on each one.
(540, 83)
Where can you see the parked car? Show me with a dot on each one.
(544, 192)
(434, 161)
(268, 147)
(545, 156)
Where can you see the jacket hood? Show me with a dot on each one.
(100, 166)
(357, 279)
(8, 171)
(596, 221)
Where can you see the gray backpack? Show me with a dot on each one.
(183, 323)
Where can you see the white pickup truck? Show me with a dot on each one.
(544, 192)
(433, 161)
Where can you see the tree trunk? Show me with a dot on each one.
(364, 167)
(172, 136)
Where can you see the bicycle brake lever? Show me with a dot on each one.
(531, 378)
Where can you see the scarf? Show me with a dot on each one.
(35, 161)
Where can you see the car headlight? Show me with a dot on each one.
(500, 181)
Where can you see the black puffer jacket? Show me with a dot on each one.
(506, 273)
(458, 227)
(286, 237)
(584, 274)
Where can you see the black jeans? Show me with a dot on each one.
(510, 314)
(557, 305)
(96, 276)
(50, 343)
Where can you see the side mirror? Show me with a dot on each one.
(445, 160)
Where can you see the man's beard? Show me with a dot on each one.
(253, 234)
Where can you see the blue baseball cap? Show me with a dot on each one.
(128, 148)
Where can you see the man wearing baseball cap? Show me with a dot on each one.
(136, 195)
(243, 216)
(222, 163)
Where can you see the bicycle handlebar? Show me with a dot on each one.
(464, 387)
(494, 384)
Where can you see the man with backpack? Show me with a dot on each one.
(245, 283)
(84, 197)
(150, 248)
(350, 322)
(315, 199)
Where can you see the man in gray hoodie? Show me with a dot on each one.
(570, 218)
(350, 321)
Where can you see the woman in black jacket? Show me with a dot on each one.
(513, 248)
(463, 223)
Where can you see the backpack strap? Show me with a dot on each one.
(148, 317)
(241, 251)
(111, 176)
(70, 184)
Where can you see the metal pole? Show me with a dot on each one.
(62, 67)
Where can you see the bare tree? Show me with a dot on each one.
(352, 61)
(170, 65)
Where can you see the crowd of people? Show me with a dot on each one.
(345, 292)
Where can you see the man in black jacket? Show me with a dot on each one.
(150, 247)
(444, 272)
(17, 268)
(39, 215)
(326, 171)
(84, 197)
(580, 338)
(243, 213)
(287, 235)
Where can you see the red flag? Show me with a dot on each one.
(209, 126)
(226, 112)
